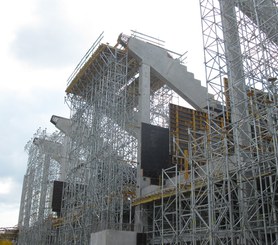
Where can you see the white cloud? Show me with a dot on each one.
(48, 42)
(9, 217)
(9, 201)
(6, 185)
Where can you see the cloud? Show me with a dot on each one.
(9, 214)
(5, 186)
(9, 201)
(48, 42)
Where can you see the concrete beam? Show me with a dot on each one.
(69, 128)
(54, 149)
(61, 123)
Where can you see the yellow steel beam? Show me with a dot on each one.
(171, 192)
(153, 197)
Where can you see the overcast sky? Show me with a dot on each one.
(41, 43)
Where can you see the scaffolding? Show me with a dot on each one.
(223, 188)
(36, 215)
(96, 155)
(103, 97)
(100, 181)
(222, 185)
(238, 203)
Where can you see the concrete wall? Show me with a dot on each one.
(111, 237)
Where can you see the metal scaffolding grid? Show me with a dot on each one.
(101, 178)
(36, 215)
(238, 203)
(228, 193)
(222, 188)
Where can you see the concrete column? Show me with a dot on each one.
(144, 93)
(44, 185)
(144, 116)
(236, 82)
(236, 78)
(64, 160)
(239, 107)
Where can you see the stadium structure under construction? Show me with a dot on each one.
(131, 166)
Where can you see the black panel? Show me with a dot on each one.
(57, 196)
(154, 150)
(141, 239)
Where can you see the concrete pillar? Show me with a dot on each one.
(144, 116)
(44, 185)
(236, 81)
(144, 93)
(64, 160)
(239, 107)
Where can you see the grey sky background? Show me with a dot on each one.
(41, 43)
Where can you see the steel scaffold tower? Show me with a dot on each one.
(103, 96)
(160, 97)
(101, 178)
(228, 193)
(36, 215)
(237, 160)
(222, 188)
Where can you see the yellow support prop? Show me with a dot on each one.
(186, 165)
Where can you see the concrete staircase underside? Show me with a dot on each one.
(171, 71)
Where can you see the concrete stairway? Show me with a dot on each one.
(171, 71)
